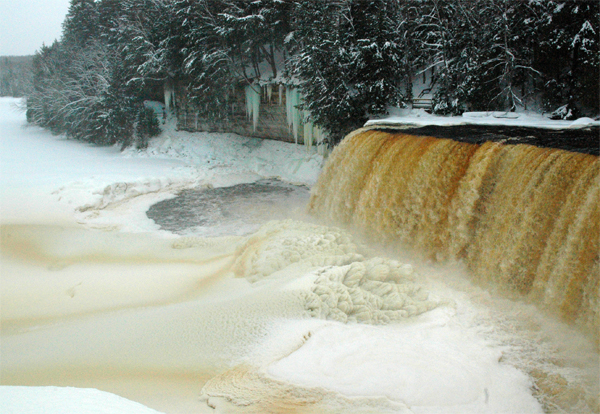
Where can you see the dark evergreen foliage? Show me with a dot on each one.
(568, 57)
(81, 23)
(88, 85)
(350, 59)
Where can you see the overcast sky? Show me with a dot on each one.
(26, 24)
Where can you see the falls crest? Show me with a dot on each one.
(521, 217)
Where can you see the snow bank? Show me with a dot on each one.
(55, 400)
(226, 157)
(418, 117)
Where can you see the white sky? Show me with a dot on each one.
(26, 24)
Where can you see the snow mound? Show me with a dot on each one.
(418, 117)
(216, 154)
(582, 123)
(280, 244)
(59, 400)
(376, 291)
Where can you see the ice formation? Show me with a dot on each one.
(293, 99)
(313, 134)
(253, 103)
(346, 287)
(377, 291)
(280, 244)
(169, 93)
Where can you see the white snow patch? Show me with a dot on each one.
(432, 364)
(419, 117)
(58, 400)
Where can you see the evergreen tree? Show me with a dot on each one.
(350, 60)
(482, 52)
(568, 55)
(15, 75)
(81, 23)
(509, 36)
(81, 85)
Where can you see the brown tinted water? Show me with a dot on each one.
(521, 217)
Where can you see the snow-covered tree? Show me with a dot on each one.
(226, 42)
(351, 60)
(15, 75)
(81, 23)
(82, 84)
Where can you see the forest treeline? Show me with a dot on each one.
(349, 58)
(15, 75)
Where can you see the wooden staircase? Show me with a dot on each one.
(422, 103)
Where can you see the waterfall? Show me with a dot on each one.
(520, 217)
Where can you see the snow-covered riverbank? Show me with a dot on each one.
(88, 182)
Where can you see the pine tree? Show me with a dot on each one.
(569, 36)
(83, 84)
(81, 23)
(350, 60)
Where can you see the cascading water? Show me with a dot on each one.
(521, 217)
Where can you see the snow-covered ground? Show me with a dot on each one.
(161, 320)
(419, 117)
(34, 400)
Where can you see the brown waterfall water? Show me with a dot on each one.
(522, 218)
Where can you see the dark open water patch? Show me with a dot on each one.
(237, 210)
